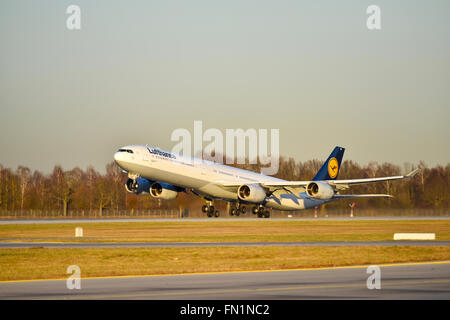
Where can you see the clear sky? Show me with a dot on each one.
(137, 70)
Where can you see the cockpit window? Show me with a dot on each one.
(125, 150)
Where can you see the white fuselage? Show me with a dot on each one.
(205, 177)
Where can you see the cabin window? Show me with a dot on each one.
(125, 150)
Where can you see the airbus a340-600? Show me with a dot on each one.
(163, 175)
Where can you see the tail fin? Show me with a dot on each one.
(330, 169)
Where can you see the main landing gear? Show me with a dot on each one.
(210, 210)
(261, 211)
(237, 210)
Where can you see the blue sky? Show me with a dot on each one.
(137, 70)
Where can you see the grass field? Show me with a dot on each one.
(226, 231)
(40, 263)
(20, 264)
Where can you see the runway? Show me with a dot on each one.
(429, 280)
(17, 245)
(240, 219)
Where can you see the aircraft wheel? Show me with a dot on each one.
(243, 210)
(217, 213)
(210, 211)
(255, 210)
(237, 212)
(267, 214)
(205, 209)
(232, 211)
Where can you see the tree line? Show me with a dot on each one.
(77, 189)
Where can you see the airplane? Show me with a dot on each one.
(163, 175)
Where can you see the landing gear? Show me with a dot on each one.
(261, 212)
(238, 210)
(210, 210)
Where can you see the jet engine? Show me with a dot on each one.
(160, 190)
(319, 190)
(251, 193)
(139, 186)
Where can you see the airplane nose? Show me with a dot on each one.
(118, 156)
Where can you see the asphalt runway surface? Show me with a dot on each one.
(105, 220)
(17, 245)
(398, 281)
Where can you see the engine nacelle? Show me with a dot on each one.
(160, 190)
(320, 190)
(251, 193)
(139, 186)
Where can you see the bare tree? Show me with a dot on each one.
(114, 173)
(61, 187)
(24, 176)
(102, 193)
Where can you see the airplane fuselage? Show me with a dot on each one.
(202, 177)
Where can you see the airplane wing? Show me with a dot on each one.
(265, 184)
(350, 196)
(337, 184)
(327, 174)
(369, 180)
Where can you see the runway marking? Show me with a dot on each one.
(241, 271)
(336, 286)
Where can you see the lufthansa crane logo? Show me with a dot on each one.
(333, 168)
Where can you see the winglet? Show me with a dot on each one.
(412, 173)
